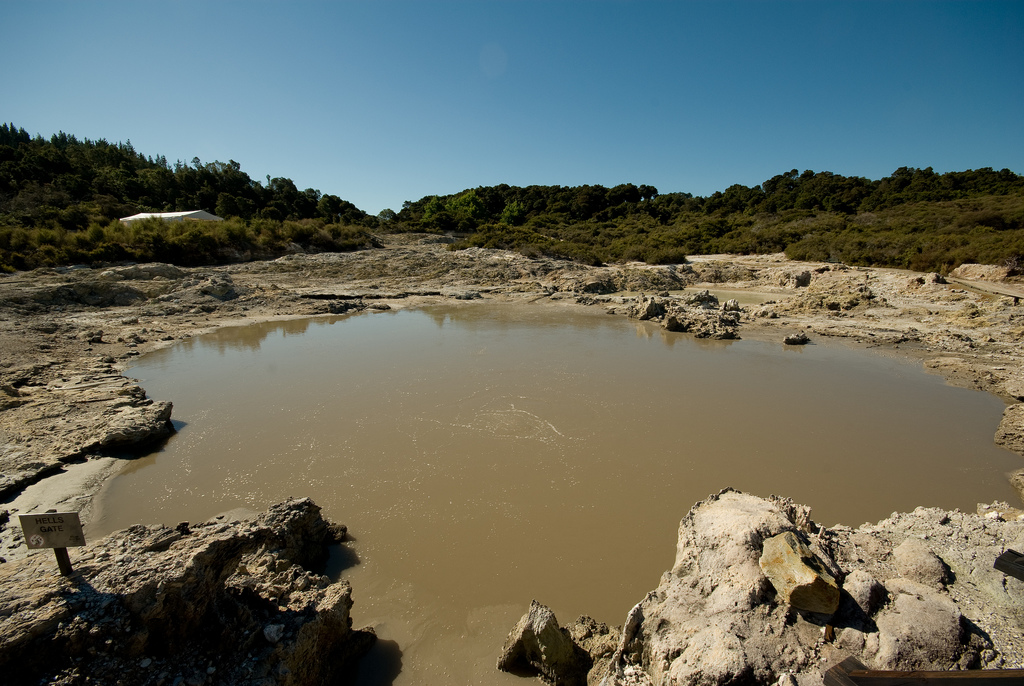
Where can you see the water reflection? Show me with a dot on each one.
(252, 336)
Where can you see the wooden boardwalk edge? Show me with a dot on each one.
(853, 672)
(1011, 562)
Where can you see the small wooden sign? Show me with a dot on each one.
(52, 530)
(57, 530)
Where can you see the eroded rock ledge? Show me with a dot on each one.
(919, 591)
(224, 602)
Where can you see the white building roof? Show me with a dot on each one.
(192, 215)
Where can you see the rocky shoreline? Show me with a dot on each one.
(226, 601)
(67, 334)
(918, 592)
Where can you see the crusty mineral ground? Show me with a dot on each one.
(66, 334)
(229, 601)
(919, 592)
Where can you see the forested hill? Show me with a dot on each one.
(914, 218)
(60, 199)
(68, 183)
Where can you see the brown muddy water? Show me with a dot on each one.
(483, 456)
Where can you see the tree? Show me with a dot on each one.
(625, 192)
(514, 213)
(647, 192)
(227, 206)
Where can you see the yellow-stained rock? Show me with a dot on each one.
(799, 577)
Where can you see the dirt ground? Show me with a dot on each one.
(66, 334)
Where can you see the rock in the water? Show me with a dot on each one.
(702, 322)
(916, 561)
(797, 574)
(799, 338)
(647, 308)
(703, 298)
(538, 644)
(134, 425)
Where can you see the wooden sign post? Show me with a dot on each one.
(57, 530)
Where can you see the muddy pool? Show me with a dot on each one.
(483, 456)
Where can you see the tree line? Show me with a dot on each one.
(60, 199)
(914, 218)
(64, 182)
(794, 190)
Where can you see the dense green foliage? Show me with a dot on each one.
(181, 243)
(914, 218)
(60, 199)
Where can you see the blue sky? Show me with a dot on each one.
(382, 102)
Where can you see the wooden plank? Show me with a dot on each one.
(973, 677)
(852, 672)
(839, 675)
(1011, 562)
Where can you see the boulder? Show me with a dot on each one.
(920, 628)
(799, 338)
(1010, 433)
(714, 620)
(702, 322)
(538, 645)
(134, 425)
(916, 561)
(647, 308)
(865, 590)
(797, 574)
(219, 286)
(701, 299)
(673, 322)
(694, 628)
(731, 305)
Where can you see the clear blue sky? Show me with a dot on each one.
(381, 102)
